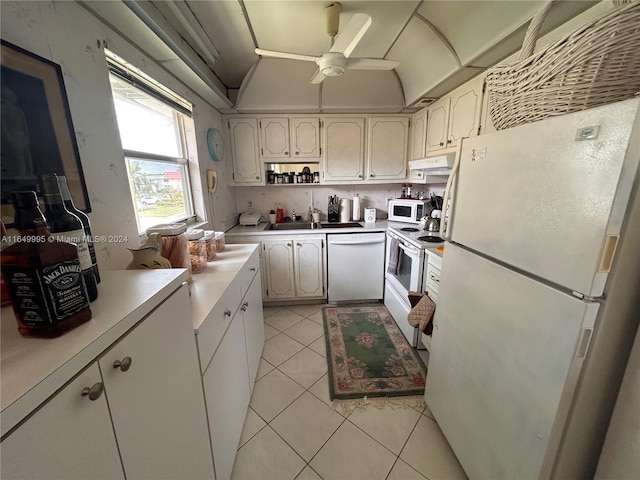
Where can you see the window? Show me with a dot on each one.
(151, 121)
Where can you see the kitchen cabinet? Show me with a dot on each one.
(135, 412)
(455, 116)
(387, 142)
(295, 267)
(153, 387)
(290, 137)
(70, 437)
(245, 150)
(419, 135)
(344, 148)
(230, 335)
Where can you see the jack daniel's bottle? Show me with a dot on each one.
(43, 275)
(67, 227)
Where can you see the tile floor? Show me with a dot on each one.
(291, 432)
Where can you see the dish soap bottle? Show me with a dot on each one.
(279, 214)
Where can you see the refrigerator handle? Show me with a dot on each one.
(449, 192)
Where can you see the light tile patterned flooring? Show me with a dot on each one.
(291, 432)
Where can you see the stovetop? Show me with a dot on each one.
(415, 236)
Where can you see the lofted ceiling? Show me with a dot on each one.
(440, 44)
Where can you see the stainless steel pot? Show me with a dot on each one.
(432, 225)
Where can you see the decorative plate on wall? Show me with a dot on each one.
(215, 144)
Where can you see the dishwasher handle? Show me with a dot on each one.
(355, 242)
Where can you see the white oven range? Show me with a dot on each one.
(407, 275)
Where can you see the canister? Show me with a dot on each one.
(197, 250)
(219, 239)
(209, 241)
(175, 245)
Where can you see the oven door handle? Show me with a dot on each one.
(410, 251)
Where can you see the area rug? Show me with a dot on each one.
(369, 358)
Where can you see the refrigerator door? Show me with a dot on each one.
(505, 357)
(550, 196)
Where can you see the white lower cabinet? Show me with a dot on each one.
(70, 437)
(137, 412)
(295, 267)
(153, 388)
(253, 318)
(227, 389)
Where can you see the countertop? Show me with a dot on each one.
(32, 369)
(239, 230)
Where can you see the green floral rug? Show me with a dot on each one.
(368, 356)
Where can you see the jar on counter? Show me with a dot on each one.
(220, 243)
(197, 250)
(175, 244)
(209, 240)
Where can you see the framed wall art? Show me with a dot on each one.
(37, 133)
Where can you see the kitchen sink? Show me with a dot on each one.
(340, 224)
(291, 226)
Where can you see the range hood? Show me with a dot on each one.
(439, 165)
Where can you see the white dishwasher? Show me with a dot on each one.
(355, 264)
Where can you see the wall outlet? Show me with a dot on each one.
(250, 204)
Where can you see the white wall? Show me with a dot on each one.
(68, 35)
(298, 198)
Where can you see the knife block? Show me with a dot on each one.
(333, 214)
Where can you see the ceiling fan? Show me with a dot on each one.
(334, 62)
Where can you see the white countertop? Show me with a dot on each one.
(32, 369)
(239, 230)
(210, 285)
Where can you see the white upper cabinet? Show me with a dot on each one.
(274, 136)
(387, 143)
(289, 137)
(247, 164)
(344, 148)
(419, 135)
(455, 116)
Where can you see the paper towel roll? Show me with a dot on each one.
(345, 209)
(356, 208)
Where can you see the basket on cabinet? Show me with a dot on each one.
(596, 64)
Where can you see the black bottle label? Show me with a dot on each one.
(27, 294)
(65, 286)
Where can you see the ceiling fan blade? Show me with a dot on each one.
(347, 40)
(291, 56)
(371, 64)
(318, 77)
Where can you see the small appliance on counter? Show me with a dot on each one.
(408, 210)
(370, 215)
(250, 217)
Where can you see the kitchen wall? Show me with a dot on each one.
(299, 198)
(65, 33)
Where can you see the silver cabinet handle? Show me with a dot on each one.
(227, 313)
(244, 306)
(93, 392)
(437, 280)
(372, 175)
(288, 244)
(124, 364)
(299, 244)
(253, 269)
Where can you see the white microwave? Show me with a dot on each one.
(408, 210)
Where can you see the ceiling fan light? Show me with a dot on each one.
(332, 71)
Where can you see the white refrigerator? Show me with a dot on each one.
(539, 293)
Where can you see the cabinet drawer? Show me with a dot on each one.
(248, 271)
(217, 322)
(432, 280)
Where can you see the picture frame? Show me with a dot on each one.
(37, 132)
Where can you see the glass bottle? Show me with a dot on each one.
(43, 275)
(86, 225)
(68, 227)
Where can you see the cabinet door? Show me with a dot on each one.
(156, 403)
(253, 327)
(279, 261)
(247, 164)
(274, 133)
(70, 437)
(309, 267)
(387, 148)
(305, 138)
(419, 135)
(344, 148)
(465, 110)
(437, 125)
(226, 388)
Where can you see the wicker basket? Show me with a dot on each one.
(597, 64)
